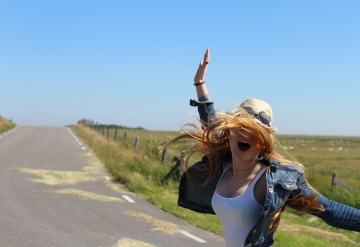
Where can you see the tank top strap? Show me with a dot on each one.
(227, 168)
(261, 172)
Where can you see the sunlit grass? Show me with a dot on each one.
(161, 225)
(126, 242)
(52, 177)
(6, 125)
(88, 195)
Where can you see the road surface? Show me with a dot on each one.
(55, 192)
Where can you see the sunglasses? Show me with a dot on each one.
(264, 117)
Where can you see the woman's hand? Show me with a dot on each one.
(201, 72)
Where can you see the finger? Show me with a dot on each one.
(207, 56)
(201, 63)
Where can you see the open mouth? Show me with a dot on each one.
(244, 146)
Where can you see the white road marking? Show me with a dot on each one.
(193, 237)
(76, 139)
(127, 198)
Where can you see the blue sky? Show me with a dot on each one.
(133, 62)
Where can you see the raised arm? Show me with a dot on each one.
(199, 79)
(204, 103)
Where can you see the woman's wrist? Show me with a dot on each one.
(199, 83)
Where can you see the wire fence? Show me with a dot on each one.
(336, 181)
(112, 132)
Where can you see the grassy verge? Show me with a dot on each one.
(5, 125)
(142, 171)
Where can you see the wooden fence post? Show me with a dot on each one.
(108, 130)
(333, 181)
(136, 144)
(182, 163)
(174, 172)
(163, 155)
(334, 178)
(115, 133)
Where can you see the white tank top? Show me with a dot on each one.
(238, 215)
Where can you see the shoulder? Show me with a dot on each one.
(289, 176)
(287, 173)
(275, 165)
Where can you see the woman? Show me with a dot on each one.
(242, 178)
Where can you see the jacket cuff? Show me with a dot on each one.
(204, 100)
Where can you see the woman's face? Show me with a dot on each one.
(243, 145)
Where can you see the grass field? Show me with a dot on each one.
(325, 155)
(142, 171)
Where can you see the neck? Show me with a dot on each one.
(245, 169)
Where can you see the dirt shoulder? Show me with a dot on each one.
(294, 228)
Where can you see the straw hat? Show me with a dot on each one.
(260, 108)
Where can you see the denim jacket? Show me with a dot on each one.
(283, 182)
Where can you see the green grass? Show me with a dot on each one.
(6, 125)
(142, 171)
(325, 155)
(307, 239)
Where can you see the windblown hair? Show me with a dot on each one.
(300, 203)
(211, 139)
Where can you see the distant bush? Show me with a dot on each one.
(113, 126)
(5, 124)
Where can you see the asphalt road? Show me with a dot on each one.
(55, 192)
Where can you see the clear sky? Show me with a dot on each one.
(132, 63)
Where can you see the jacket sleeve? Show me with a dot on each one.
(205, 108)
(339, 215)
(335, 214)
